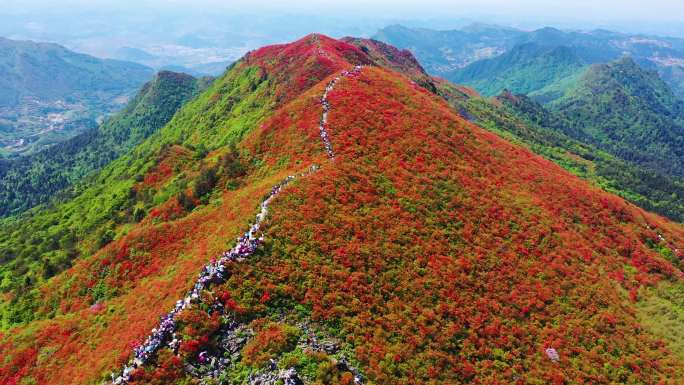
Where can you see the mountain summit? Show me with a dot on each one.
(425, 250)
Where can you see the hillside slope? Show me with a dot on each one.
(35, 179)
(428, 251)
(524, 121)
(48, 93)
(524, 69)
(628, 112)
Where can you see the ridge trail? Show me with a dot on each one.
(215, 272)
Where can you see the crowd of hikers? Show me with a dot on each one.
(215, 271)
(326, 108)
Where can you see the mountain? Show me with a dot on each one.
(133, 54)
(36, 178)
(200, 70)
(48, 93)
(401, 244)
(626, 111)
(446, 52)
(524, 69)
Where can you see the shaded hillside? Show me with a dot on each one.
(48, 93)
(428, 251)
(35, 179)
(524, 69)
(628, 112)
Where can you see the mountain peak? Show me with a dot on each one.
(548, 30)
(638, 115)
(314, 45)
(626, 61)
(299, 65)
(171, 75)
(400, 60)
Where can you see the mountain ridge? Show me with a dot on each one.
(525, 68)
(627, 111)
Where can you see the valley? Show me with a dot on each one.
(50, 94)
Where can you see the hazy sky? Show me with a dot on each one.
(216, 30)
(556, 10)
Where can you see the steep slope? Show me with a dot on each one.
(41, 243)
(48, 93)
(429, 250)
(545, 131)
(628, 112)
(524, 69)
(35, 179)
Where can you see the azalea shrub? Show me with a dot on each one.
(270, 341)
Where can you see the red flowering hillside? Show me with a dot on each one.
(395, 59)
(429, 251)
(300, 65)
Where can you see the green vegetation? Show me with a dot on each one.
(432, 250)
(445, 52)
(44, 241)
(628, 112)
(661, 311)
(34, 179)
(523, 69)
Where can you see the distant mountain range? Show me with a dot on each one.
(205, 68)
(49, 93)
(450, 53)
(526, 68)
(618, 106)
